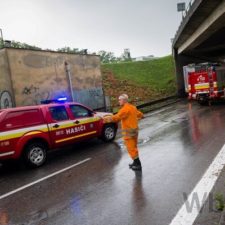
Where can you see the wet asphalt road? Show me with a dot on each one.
(177, 144)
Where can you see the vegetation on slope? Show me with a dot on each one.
(143, 81)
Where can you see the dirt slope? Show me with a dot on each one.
(138, 94)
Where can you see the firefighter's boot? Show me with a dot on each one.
(131, 164)
(136, 165)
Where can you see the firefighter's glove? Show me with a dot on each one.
(107, 119)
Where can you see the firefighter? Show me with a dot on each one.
(129, 116)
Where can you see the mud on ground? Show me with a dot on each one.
(113, 87)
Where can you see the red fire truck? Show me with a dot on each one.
(204, 82)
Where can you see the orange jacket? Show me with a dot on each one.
(129, 116)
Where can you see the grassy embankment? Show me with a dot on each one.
(143, 81)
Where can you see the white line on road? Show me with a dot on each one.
(202, 189)
(43, 178)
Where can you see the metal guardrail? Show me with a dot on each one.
(156, 102)
(184, 15)
(187, 9)
(148, 104)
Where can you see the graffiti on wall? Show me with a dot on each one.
(94, 98)
(5, 100)
(33, 95)
(88, 82)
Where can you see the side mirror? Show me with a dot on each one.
(91, 113)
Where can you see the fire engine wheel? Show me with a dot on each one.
(109, 132)
(35, 154)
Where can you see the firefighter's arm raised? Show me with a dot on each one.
(123, 113)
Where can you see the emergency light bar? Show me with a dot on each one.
(58, 100)
(62, 99)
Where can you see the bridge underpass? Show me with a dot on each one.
(200, 37)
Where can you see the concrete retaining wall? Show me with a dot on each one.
(6, 91)
(42, 75)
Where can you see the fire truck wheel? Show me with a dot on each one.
(35, 154)
(108, 133)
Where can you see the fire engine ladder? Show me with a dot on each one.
(211, 85)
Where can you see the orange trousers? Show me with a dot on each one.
(131, 145)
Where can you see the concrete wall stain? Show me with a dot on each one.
(40, 61)
(41, 75)
(94, 98)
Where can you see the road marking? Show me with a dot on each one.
(203, 188)
(42, 179)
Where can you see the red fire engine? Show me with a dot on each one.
(204, 82)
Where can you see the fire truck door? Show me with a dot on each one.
(60, 122)
(84, 121)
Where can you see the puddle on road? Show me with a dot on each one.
(143, 141)
(121, 145)
(178, 120)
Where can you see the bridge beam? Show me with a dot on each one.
(214, 22)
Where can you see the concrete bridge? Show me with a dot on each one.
(200, 36)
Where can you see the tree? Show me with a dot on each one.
(107, 57)
(73, 50)
(1, 43)
(68, 50)
(16, 44)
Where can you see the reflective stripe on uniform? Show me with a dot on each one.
(130, 132)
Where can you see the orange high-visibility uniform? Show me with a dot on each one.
(129, 116)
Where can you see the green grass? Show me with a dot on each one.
(157, 74)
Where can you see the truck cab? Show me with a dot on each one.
(204, 82)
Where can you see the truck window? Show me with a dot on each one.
(20, 119)
(79, 111)
(58, 113)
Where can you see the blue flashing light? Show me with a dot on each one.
(58, 100)
(62, 99)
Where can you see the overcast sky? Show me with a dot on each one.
(144, 26)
